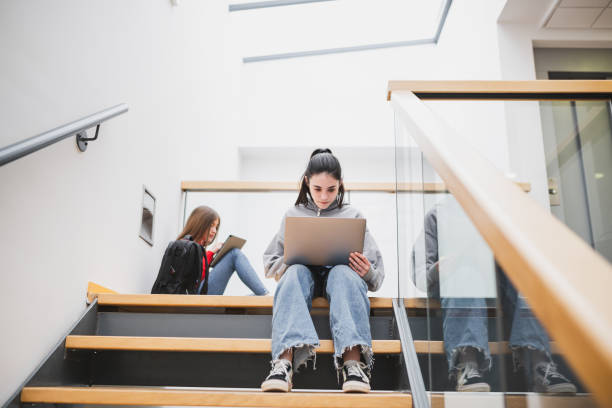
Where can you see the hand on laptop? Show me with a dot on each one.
(359, 263)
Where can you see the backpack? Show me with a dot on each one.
(181, 269)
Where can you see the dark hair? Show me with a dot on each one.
(199, 222)
(321, 161)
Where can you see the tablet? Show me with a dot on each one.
(230, 243)
(322, 241)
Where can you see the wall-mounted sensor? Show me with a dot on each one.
(148, 213)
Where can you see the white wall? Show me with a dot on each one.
(333, 100)
(67, 217)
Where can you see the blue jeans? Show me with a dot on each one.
(234, 260)
(349, 310)
(465, 325)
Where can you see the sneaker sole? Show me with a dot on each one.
(477, 387)
(275, 385)
(564, 388)
(355, 386)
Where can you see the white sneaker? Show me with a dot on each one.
(355, 378)
(279, 378)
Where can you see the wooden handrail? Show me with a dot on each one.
(567, 282)
(507, 90)
(267, 186)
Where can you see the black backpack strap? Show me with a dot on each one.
(204, 290)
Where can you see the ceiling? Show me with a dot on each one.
(582, 14)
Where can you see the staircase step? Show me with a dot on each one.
(111, 299)
(206, 397)
(220, 345)
(496, 399)
(437, 347)
(239, 345)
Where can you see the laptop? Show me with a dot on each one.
(322, 241)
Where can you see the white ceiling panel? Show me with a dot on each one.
(584, 3)
(573, 17)
(334, 24)
(605, 20)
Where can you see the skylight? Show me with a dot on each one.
(296, 28)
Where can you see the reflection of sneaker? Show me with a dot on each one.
(469, 378)
(548, 379)
(279, 378)
(355, 378)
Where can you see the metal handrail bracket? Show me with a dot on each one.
(17, 150)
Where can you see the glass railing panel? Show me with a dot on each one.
(578, 153)
(561, 149)
(447, 277)
(256, 217)
(462, 307)
(379, 210)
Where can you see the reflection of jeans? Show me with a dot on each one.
(234, 260)
(465, 324)
(349, 309)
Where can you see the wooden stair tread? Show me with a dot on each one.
(495, 347)
(497, 399)
(203, 397)
(197, 344)
(111, 299)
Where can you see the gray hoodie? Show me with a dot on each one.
(273, 256)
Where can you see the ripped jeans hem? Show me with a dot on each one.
(302, 354)
(518, 349)
(366, 353)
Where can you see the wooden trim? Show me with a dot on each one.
(213, 301)
(197, 344)
(455, 399)
(268, 186)
(568, 283)
(153, 396)
(93, 289)
(516, 89)
(437, 347)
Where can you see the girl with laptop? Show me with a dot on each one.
(346, 287)
(203, 224)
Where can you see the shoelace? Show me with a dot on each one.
(469, 371)
(279, 368)
(551, 372)
(356, 369)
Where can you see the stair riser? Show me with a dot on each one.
(240, 370)
(217, 325)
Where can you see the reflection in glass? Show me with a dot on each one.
(473, 331)
(578, 148)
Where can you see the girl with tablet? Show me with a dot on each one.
(294, 337)
(203, 224)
